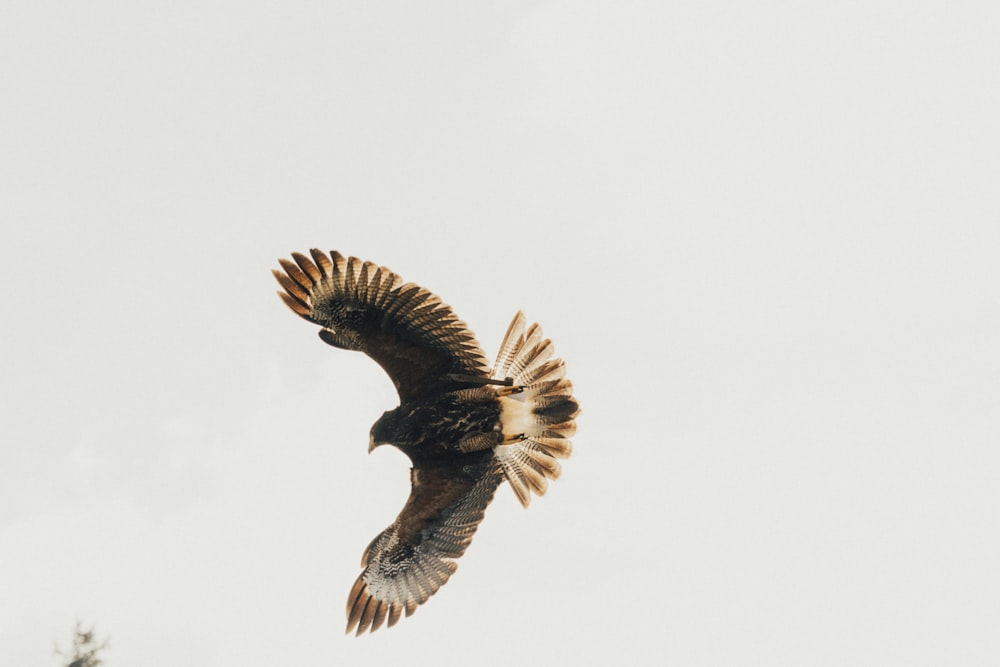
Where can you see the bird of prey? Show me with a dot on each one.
(465, 426)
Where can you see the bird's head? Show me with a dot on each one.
(384, 431)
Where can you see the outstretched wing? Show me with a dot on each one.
(411, 559)
(416, 338)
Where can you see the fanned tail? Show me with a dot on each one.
(539, 420)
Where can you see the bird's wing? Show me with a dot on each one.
(411, 559)
(416, 338)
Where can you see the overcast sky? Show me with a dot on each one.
(765, 237)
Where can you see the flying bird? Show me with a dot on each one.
(465, 426)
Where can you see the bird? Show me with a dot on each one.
(466, 426)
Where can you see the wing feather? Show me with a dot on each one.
(407, 330)
(410, 560)
(293, 303)
(394, 611)
(322, 261)
(292, 288)
(308, 268)
(295, 273)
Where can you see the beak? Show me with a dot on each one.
(371, 444)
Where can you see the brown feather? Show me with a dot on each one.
(291, 287)
(395, 609)
(295, 305)
(511, 340)
(521, 490)
(380, 612)
(558, 447)
(295, 273)
(307, 267)
(339, 263)
(564, 430)
(363, 291)
(367, 615)
(542, 460)
(354, 599)
(351, 279)
(535, 479)
(322, 261)
(552, 369)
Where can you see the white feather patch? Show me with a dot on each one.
(517, 417)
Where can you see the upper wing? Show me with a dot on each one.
(415, 337)
(412, 558)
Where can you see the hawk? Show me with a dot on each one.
(465, 426)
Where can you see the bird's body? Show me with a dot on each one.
(427, 429)
(466, 427)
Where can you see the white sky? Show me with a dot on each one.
(765, 236)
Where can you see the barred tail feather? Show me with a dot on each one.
(543, 414)
(511, 340)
